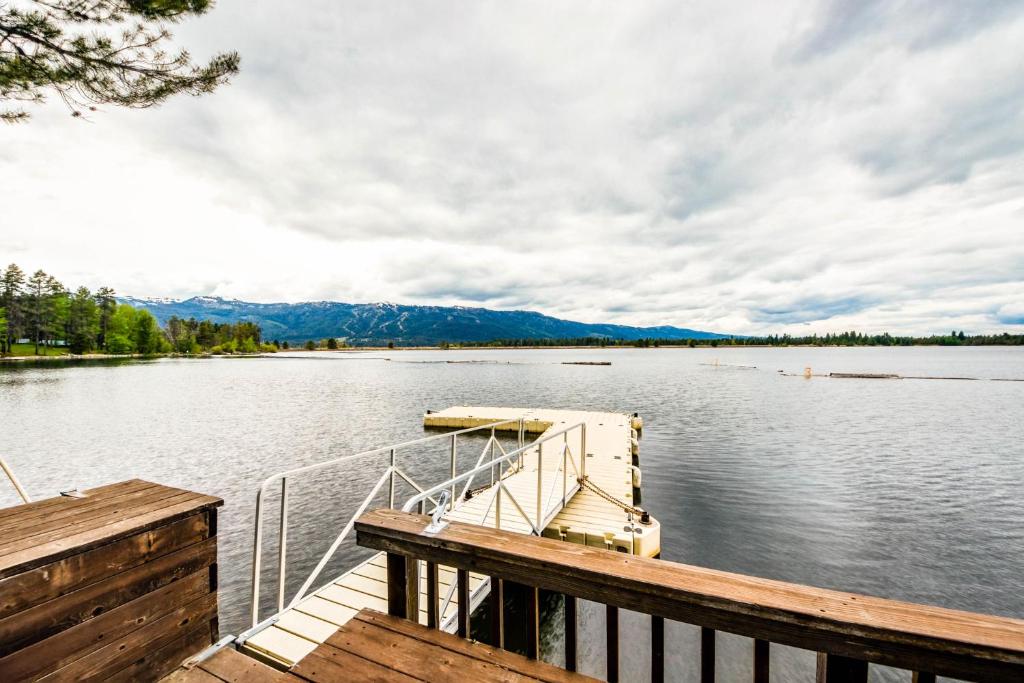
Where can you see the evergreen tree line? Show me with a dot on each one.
(206, 336)
(39, 308)
(851, 338)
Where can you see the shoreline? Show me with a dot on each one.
(67, 357)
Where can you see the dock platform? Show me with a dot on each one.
(603, 518)
(373, 647)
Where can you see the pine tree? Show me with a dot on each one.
(106, 303)
(11, 288)
(37, 304)
(93, 52)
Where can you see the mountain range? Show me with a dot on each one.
(380, 323)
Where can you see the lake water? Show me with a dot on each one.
(910, 489)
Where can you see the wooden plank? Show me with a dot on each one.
(155, 664)
(78, 641)
(414, 657)
(83, 541)
(115, 656)
(232, 666)
(445, 641)
(946, 642)
(196, 675)
(156, 499)
(330, 665)
(42, 507)
(89, 508)
(44, 583)
(100, 599)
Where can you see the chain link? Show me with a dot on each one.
(585, 482)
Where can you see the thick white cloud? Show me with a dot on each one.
(736, 167)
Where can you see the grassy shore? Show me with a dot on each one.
(30, 350)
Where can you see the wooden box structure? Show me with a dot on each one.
(118, 584)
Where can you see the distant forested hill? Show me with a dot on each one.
(378, 324)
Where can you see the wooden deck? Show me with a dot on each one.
(118, 584)
(375, 647)
(847, 630)
(587, 519)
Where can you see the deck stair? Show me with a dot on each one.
(504, 495)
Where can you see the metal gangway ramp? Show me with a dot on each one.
(575, 481)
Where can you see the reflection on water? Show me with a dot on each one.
(902, 488)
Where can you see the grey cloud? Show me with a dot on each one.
(851, 164)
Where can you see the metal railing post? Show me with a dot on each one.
(565, 466)
(497, 506)
(14, 481)
(282, 550)
(391, 486)
(451, 503)
(257, 551)
(540, 487)
(492, 456)
(583, 450)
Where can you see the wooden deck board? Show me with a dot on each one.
(48, 531)
(377, 647)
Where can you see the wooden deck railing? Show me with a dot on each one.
(847, 630)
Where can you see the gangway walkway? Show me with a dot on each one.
(575, 482)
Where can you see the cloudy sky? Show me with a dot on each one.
(739, 167)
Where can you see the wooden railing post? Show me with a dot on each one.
(497, 612)
(836, 669)
(657, 649)
(412, 589)
(570, 633)
(923, 677)
(396, 585)
(761, 654)
(433, 618)
(462, 579)
(532, 622)
(612, 643)
(707, 655)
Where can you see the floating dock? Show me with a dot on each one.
(600, 513)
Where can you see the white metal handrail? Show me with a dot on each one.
(544, 511)
(388, 476)
(538, 522)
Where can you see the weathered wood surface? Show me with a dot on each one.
(376, 647)
(911, 636)
(117, 585)
(399, 649)
(228, 666)
(100, 518)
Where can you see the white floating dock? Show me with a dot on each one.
(582, 516)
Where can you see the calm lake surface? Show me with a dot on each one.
(909, 489)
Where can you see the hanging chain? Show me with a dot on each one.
(585, 482)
